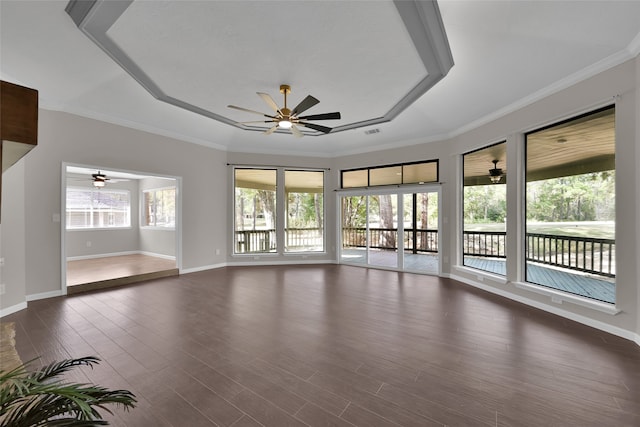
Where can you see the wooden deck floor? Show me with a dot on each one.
(572, 282)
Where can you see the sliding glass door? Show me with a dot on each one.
(372, 233)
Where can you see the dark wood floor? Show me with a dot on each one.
(335, 346)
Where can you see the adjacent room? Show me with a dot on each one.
(119, 228)
(353, 213)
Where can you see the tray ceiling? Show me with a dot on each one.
(201, 56)
(507, 54)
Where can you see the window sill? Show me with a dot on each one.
(481, 274)
(100, 229)
(558, 297)
(147, 227)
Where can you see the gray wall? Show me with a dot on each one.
(32, 196)
(82, 243)
(587, 95)
(12, 235)
(156, 240)
(68, 138)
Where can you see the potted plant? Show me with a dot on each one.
(41, 398)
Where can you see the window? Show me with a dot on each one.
(304, 222)
(255, 210)
(406, 173)
(89, 208)
(485, 209)
(159, 208)
(570, 206)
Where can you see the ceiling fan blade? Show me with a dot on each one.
(271, 130)
(270, 102)
(296, 132)
(316, 127)
(325, 116)
(250, 111)
(306, 103)
(257, 121)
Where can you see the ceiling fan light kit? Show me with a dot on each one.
(287, 119)
(99, 179)
(495, 174)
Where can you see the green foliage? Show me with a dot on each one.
(587, 197)
(39, 398)
(485, 204)
(305, 210)
(354, 211)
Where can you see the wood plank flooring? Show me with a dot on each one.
(107, 272)
(335, 345)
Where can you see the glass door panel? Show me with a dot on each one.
(383, 230)
(420, 214)
(354, 229)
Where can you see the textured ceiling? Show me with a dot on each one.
(357, 61)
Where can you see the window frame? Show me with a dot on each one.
(393, 165)
(280, 212)
(558, 295)
(462, 210)
(143, 224)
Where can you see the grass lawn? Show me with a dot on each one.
(594, 229)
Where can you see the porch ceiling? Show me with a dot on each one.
(576, 147)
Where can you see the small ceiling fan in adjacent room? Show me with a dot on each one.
(99, 179)
(284, 118)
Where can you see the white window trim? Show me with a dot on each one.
(142, 209)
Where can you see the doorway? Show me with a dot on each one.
(118, 227)
(395, 229)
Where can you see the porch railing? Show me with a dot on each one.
(248, 241)
(586, 254)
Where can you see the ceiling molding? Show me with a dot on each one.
(565, 83)
(421, 19)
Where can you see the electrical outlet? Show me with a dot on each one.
(3, 288)
(2, 262)
(217, 251)
(88, 243)
(480, 278)
(556, 300)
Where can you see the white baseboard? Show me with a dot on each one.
(79, 258)
(13, 309)
(614, 330)
(285, 262)
(202, 268)
(44, 295)
(254, 263)
(153, 254)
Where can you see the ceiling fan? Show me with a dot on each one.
(290, 119)
(99, 179)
